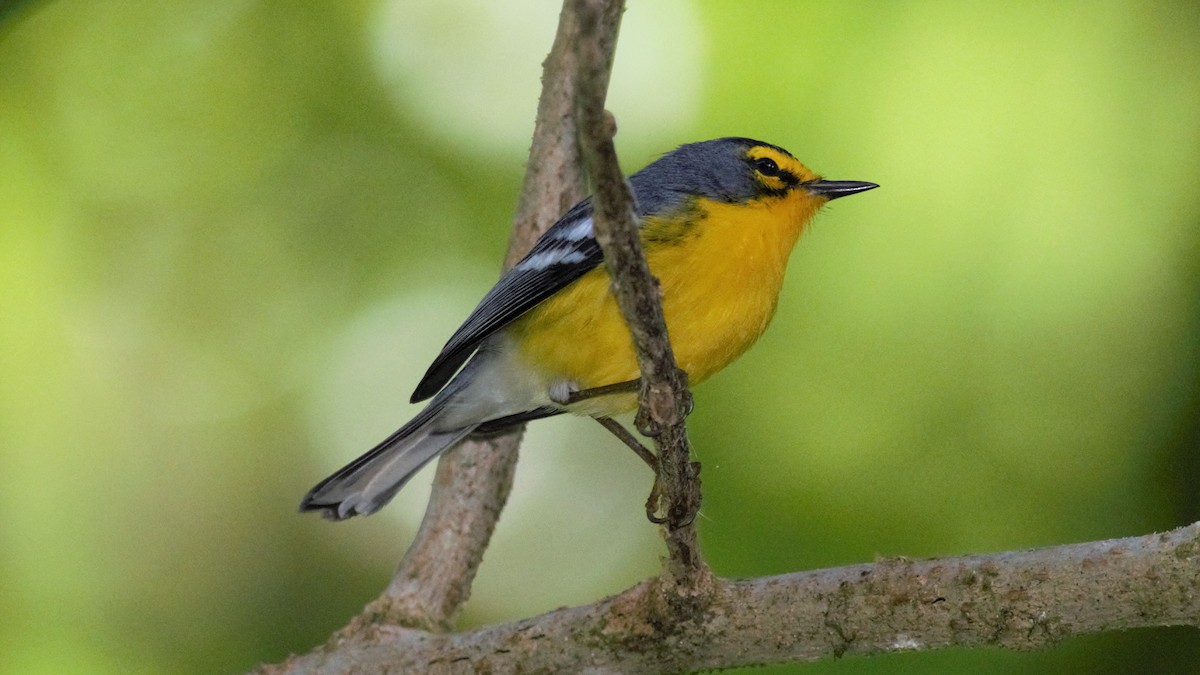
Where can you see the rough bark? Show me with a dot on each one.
(1017, 600)
(664, 400)
(473, 481)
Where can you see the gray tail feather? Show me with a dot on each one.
(363, 486)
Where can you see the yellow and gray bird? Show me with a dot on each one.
(718, 221)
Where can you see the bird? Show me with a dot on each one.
(718, 220)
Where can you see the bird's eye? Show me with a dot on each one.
(766, 166)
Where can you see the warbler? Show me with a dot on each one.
(718, 220)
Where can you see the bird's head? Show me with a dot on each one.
(735, 171)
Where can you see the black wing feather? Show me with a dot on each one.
(568, 256)
(665, 185)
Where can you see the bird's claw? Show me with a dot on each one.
(653, 502)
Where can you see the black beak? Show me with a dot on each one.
(832, 189)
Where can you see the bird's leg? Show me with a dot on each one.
(570, 396)
(648, 457)
(628, 439)
(627, 387)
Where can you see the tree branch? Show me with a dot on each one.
(664, 400)
(473, 481)
(1015, 600)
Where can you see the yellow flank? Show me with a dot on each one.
(720, 266)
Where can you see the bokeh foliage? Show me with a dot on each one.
(232, 234)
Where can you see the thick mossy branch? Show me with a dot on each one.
(1019, 600)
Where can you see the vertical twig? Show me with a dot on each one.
(473, 481)
(664, 400)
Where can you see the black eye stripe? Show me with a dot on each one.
(766, 166)
(769, 168)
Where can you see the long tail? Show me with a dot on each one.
(363, 486)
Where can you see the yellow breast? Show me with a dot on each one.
(720, 274)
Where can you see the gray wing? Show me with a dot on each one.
(567, 251)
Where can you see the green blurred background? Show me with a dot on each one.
(234, 233)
